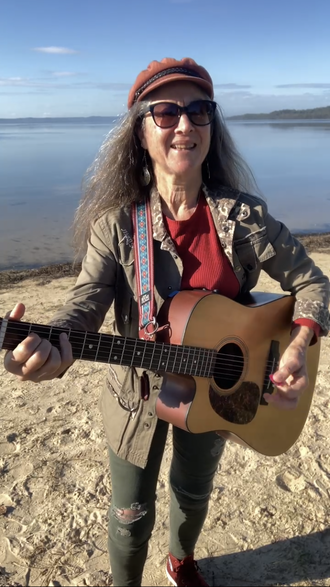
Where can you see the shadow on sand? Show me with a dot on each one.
(303, 559)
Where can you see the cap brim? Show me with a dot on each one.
(176, 77)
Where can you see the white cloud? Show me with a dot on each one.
(60, 80)
(117, 87)
(312, 85)
(55, 50)
(63, 73)
(231, 86)
(14, 81)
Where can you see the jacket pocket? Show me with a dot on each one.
(115, 419)
(125, 385)
(254, 250)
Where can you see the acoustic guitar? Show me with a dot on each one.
(216, 356)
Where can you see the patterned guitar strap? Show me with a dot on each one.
(144, 269)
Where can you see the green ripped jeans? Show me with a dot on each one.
(132, 512)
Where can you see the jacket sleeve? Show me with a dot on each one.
(92, 295)
(298, 274)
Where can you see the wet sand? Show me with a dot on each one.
(314, 243)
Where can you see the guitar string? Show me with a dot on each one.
(109, 346)
(230, 376)
(229, 370)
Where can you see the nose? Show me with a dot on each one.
(184, 124)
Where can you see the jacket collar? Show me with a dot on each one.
(223, 203)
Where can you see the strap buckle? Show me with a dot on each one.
(151, 333)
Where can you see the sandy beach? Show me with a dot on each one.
(268, 521)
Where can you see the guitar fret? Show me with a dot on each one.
(202, 357)
(197, 357)
(110, 352)
(123, 352)
(169, 365)
(175, 357)
(83, 346)
(202, 365)
(208, 357)
(213, 363)
(178, 359)
(50, 333)
(207, 363)
(128, 356)
(139, 359)
(160, 357)
(194, 361)
(168, 350)
(98, 347)
(187, 361)
(133, 353)
(152, 356)
(161, 363)
(90, 345)
(117, 344)
(144, 352)
(181, 352)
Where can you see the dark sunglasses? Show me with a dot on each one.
(167, 114)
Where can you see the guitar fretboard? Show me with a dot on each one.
(105, 348)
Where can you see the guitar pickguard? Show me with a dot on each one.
(239, 407)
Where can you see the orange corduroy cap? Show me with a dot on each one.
(168, 70)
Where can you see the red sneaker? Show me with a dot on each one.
(184, 573)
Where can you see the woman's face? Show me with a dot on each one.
(178, 151)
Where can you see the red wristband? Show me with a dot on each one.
(311, 324)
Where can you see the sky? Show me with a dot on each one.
(80, 57)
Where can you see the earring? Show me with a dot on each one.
(146, 177)
(208, 169)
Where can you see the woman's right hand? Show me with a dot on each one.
(36, 359)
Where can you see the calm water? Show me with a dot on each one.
(41, 168)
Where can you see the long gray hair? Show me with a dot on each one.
(114, 179)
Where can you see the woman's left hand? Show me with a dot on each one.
(291, 378)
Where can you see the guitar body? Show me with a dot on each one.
(244, 337)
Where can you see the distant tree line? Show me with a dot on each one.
(310, 114)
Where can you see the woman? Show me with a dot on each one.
(173, 150)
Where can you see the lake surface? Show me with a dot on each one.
(42, 165)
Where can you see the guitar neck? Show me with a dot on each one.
(117, 350)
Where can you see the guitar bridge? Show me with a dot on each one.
(272, 362)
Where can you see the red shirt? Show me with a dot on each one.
(205, 264)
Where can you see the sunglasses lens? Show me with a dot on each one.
(201, 112)
(165, 114)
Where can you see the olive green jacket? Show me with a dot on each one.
(251, 239)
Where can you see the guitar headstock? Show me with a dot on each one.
(2, 331)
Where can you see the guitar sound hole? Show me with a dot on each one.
(229, 366)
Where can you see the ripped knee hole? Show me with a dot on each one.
(129, 515)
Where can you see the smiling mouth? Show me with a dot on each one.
(189, 147)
